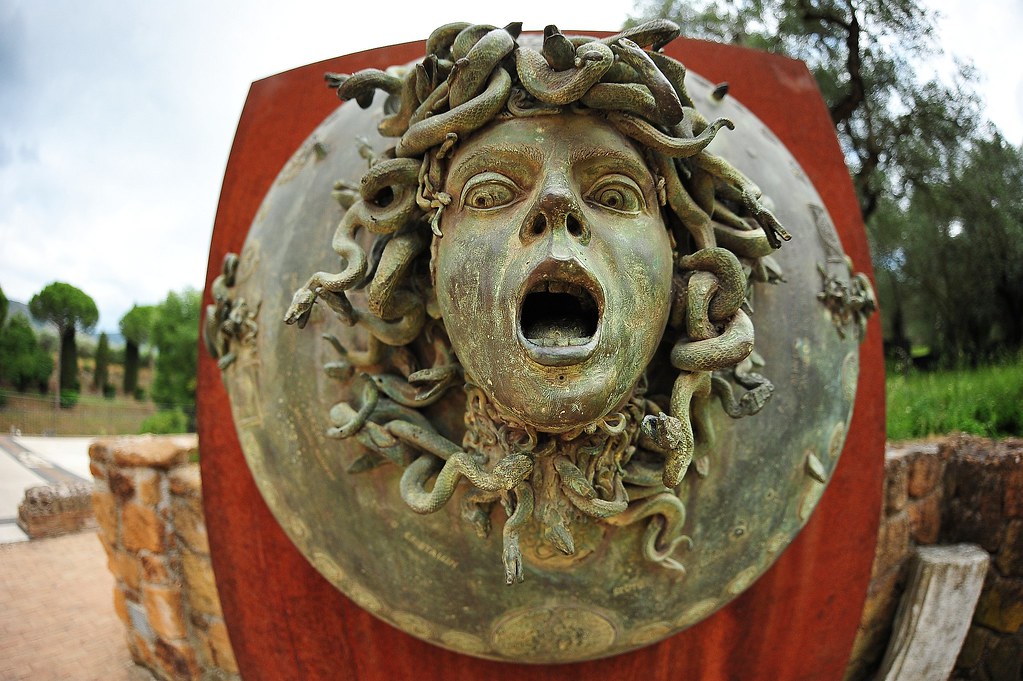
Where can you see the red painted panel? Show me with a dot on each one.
(797, 622)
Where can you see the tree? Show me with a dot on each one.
(863, 55)
(176, 336)
(23, 362)
(69, 309)
(136, 327)
(914, 146)
(99, 375)
(3, 308)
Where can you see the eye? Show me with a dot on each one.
(618, 193)
(489, 190)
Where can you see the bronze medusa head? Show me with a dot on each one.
(549, 232)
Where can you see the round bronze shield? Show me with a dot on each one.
(433, 576)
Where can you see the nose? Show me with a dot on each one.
(557, 213)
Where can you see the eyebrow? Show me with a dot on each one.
(490, 156)
(578, 155)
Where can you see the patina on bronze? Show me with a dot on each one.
(542, 315)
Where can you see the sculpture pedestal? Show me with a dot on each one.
(798, 621)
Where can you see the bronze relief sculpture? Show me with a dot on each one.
(542, 316)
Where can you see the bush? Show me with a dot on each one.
(109, 391)
(68, 399)
(166, 422)
(140, 393)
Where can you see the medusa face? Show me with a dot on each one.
(554, 271)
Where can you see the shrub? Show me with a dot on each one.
(166, 422)
(109, 391)
(68, 399)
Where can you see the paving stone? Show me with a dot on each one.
(58, 618)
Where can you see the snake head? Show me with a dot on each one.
(301, 306)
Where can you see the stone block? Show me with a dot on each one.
(190, 525)
(882, 600)
(121, 483)
(925, 519)
(125, 567)
(142, 528)
(104, 509)
(153, 451)
(975, 520)
(1009, 560)
(176, 660)
(895, 482)
(156, 568)
(220, 643)
(99, 450)
(186, 481)
(120, 606)
(1001, 605)
(147, 486)
(1005, 659)
(141, 651)
(164, 610)
(978, 640)
(1013, 502)
(892, 543)
(200, 584)
(925, 472)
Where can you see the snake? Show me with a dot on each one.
(397, 257)
(461, 120)
(582, 495)
(675, 147)
(511, 554)
(440, 40)
(472, 71)
(733, 345)
(633, 98)
(360, 86)
(654, 34)
(696, 221)
(560, 88)
(730, 277)
(668, 111)
(557, 49)
(660, 538)
(748, 193)
(509, 472)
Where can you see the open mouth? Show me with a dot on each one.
(559, 313)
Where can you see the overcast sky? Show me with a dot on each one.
(116, 117)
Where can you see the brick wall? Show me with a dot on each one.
(148, 504)
(950, 491)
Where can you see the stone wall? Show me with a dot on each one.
(958, 490)
(53, 510)
(148, 504)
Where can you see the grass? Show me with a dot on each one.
(987, 401)
(92, 415)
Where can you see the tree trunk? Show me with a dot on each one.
(131, 367)
(68, 361)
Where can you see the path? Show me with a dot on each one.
(57, 617)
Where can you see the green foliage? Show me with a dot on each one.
(23, 362)
(3, 308)
(176, 337)
(69, 309)
(987, 401)
(165, 422)
(109, 391)
(68, 399)
(136, 327)
(99, 374)
(941, 192)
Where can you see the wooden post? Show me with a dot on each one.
(935, 612)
